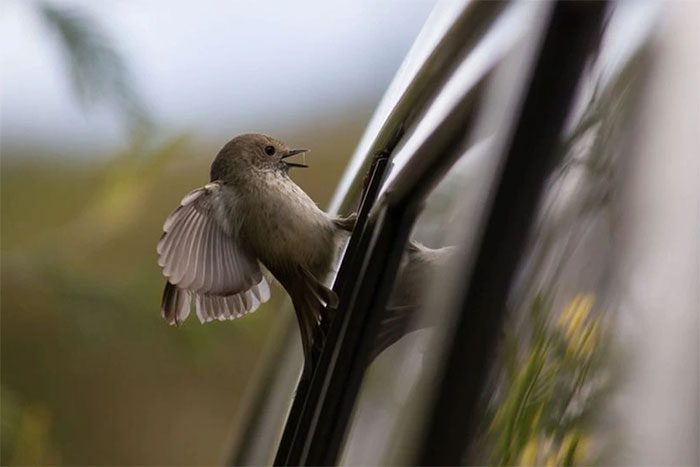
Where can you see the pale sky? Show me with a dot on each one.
(210, 67)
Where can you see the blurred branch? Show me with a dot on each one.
(98, 71)
(587, 151)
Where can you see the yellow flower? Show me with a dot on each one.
(551, 461)
(589, 340)
(528, 456)
(581, 336)
(573, 449)
(575, 314)
(582, 449)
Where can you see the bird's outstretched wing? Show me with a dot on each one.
(204, 262)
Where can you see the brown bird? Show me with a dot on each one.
(418, 269)
(250, 214)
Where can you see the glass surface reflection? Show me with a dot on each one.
(390, 409)
(558, 362)
(410, 331)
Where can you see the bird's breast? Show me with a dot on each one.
(286, 228)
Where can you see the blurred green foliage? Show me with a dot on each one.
(553, 380)
(558, 366)
(88, 363)
(91, 374)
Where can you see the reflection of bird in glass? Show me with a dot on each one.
(419, 267)
(251, 212)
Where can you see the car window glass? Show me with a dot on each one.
(558, 360)
(400, 376)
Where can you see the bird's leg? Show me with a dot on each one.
(346, 223)
(321, 292)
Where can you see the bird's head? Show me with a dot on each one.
(253, 152)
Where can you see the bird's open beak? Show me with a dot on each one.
(293, 152)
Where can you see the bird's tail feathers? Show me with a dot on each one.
(309, 296)
(396, 322)
(325, 295)
(175, 305)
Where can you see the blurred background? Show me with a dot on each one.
(110, 112)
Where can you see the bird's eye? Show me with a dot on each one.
(269, 150)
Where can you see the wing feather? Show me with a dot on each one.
(200, 259)
(216, 307)
(169, 242)
(187, 251)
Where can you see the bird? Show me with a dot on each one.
(250, 221)
(420, 266)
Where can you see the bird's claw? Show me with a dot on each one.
(346, 223)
